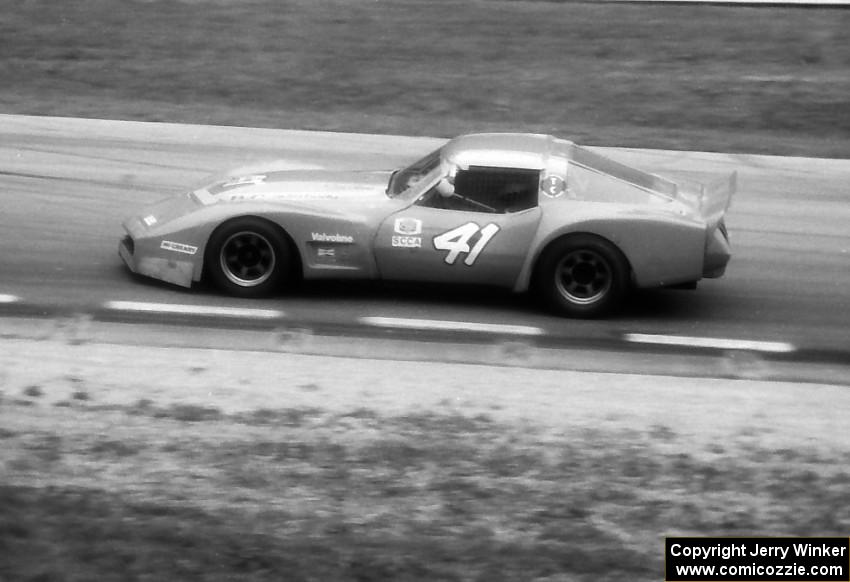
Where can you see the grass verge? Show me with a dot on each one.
(148, 492)
(723, 78)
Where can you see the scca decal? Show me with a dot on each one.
(407, 242)
(456, 241)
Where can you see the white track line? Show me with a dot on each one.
(753, 2)
(170, 308)
(433, 324)
(707, 342)
(9, 298)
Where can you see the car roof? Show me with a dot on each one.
(533, 151)
(508, 150)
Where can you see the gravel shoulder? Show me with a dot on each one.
(241, 381)
(139, 462)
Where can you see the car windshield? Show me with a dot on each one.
(404, 179)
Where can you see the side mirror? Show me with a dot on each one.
(445, 188)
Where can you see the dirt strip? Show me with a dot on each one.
(209, 464)
(699, 409)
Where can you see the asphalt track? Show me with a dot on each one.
(66, 184)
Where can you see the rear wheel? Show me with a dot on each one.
(582, 276)
(248, 257)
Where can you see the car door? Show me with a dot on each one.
(480, 233)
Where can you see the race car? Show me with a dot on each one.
(523, 211)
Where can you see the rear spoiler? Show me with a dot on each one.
(716, 197)
(711, 199)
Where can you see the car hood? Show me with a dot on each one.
(311, 187)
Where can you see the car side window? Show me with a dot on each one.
(485, 189)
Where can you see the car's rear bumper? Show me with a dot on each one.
(718, 251)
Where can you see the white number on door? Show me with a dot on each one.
(456, 241)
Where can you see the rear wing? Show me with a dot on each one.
(711, 199)
(716, 197)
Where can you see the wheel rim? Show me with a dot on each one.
(247, 259)
(583, 276)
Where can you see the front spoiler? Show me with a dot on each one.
(164, 269)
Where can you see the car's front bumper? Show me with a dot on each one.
(164, 268)
(126, 248)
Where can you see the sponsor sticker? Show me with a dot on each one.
(407, 242)
(553, 186)
(337, 238)
(408, 226)
(149, 220)
(326, 252)
(245, 181)
(178, 247)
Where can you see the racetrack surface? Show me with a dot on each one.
(66, 184)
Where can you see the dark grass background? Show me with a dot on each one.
(190, 493)
(721, 78)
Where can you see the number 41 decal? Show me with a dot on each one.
(456, 241)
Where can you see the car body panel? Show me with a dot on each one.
(643, 240)
(355, 225)
(412, 253)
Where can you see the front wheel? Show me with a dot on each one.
(582, 276)
(248, 257)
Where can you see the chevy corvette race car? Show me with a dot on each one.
(523, 211)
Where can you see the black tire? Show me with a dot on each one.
(248, 257)
(582, 276)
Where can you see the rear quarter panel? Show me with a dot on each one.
(661, 246)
